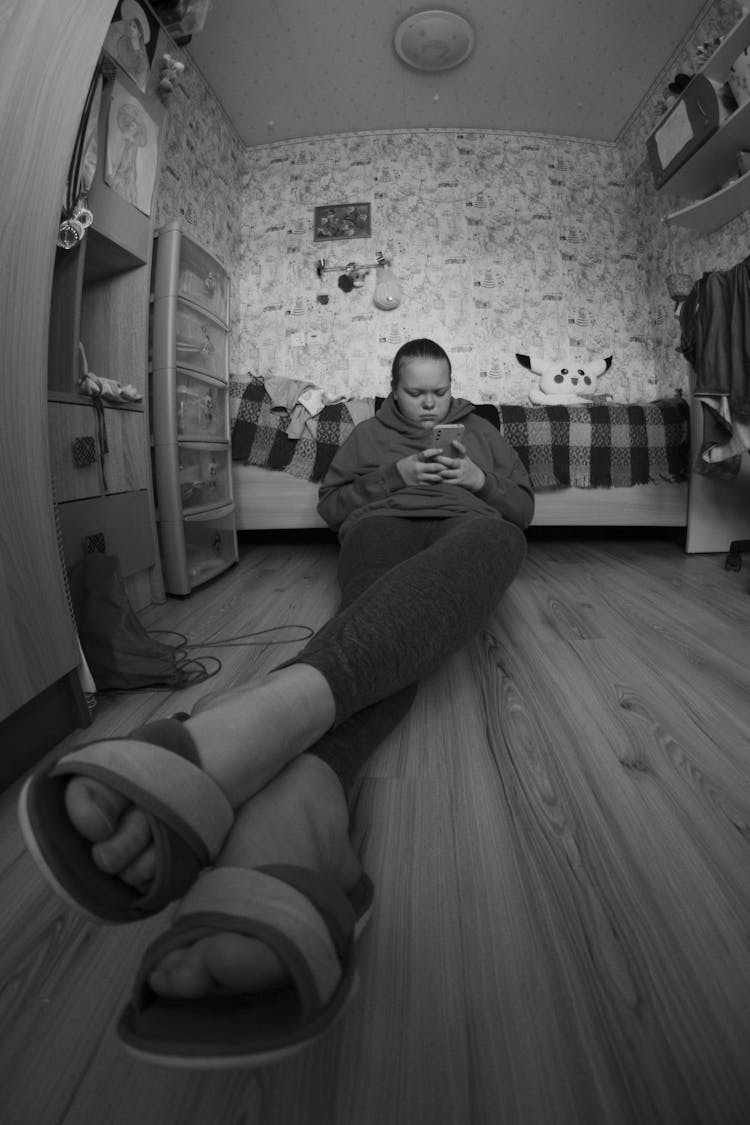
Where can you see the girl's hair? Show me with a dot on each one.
(417, 349)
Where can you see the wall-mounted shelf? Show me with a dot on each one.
(717, 210)
(715, 161)
(705, 177)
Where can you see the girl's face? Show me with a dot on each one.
(423, 391)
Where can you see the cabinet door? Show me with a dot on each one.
(126, 465)
(116, 525)
(47, 54)
(80, 466)
(75, 451)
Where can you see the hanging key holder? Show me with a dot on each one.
(76, 217)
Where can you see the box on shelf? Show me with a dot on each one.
(183, 17)
(695, 116)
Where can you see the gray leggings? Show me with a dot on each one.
(413, 591)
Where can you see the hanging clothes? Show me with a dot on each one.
(715, 339)
(715, 324)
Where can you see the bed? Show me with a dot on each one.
(603, 464)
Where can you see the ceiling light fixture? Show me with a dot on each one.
(434, 40)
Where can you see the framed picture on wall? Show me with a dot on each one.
(131, 40)
(342, 220)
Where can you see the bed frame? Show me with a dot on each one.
(265, 499)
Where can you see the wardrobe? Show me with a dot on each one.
(47, 56)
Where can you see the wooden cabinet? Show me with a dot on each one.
(100, 450)
(47, 55)
(713, 162)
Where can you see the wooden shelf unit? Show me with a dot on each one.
(100, 301)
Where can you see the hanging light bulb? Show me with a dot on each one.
(388, 292)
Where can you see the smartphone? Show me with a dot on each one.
(444, 434)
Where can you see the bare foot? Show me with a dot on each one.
(301, 818)
(244, 738)
(120, 832)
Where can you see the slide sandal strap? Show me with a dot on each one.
(163, 783)
(262, 906)
(333, 905)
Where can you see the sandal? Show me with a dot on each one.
(159, 769)
(309, 922)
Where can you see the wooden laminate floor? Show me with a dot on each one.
(559, 836)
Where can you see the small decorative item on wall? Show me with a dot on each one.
(342, 220)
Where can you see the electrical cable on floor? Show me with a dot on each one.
(194, 669)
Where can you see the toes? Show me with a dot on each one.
(140, 874)
(242, 964)
(126, 846)
(93, 808)
(224, 962)
(182, 974)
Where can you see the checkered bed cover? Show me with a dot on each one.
(259, 434)
(600, 446)
(592, 446)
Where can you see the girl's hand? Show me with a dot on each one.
(421, 468)
(461, 470)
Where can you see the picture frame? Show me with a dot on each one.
(335, 221)
(132, 39)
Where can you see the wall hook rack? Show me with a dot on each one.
(350, 268)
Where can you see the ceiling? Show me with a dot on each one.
(289, 69)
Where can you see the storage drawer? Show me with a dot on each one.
(204, 476)
(191, 478)
(200, 343)
(200, 280)
(197, 410)
(184, 336)
(183, 269)
(198, 549)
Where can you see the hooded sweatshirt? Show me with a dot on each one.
(363, 479)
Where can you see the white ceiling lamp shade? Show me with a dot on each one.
(434, 40)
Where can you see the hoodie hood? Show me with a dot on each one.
(390, 415)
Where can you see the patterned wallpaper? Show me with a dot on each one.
(502, 242)
(200, 169)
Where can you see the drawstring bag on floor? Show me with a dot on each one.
(118, 650)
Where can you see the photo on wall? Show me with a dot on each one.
(342, 220)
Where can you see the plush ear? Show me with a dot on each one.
(599, 367)
(524, 360)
